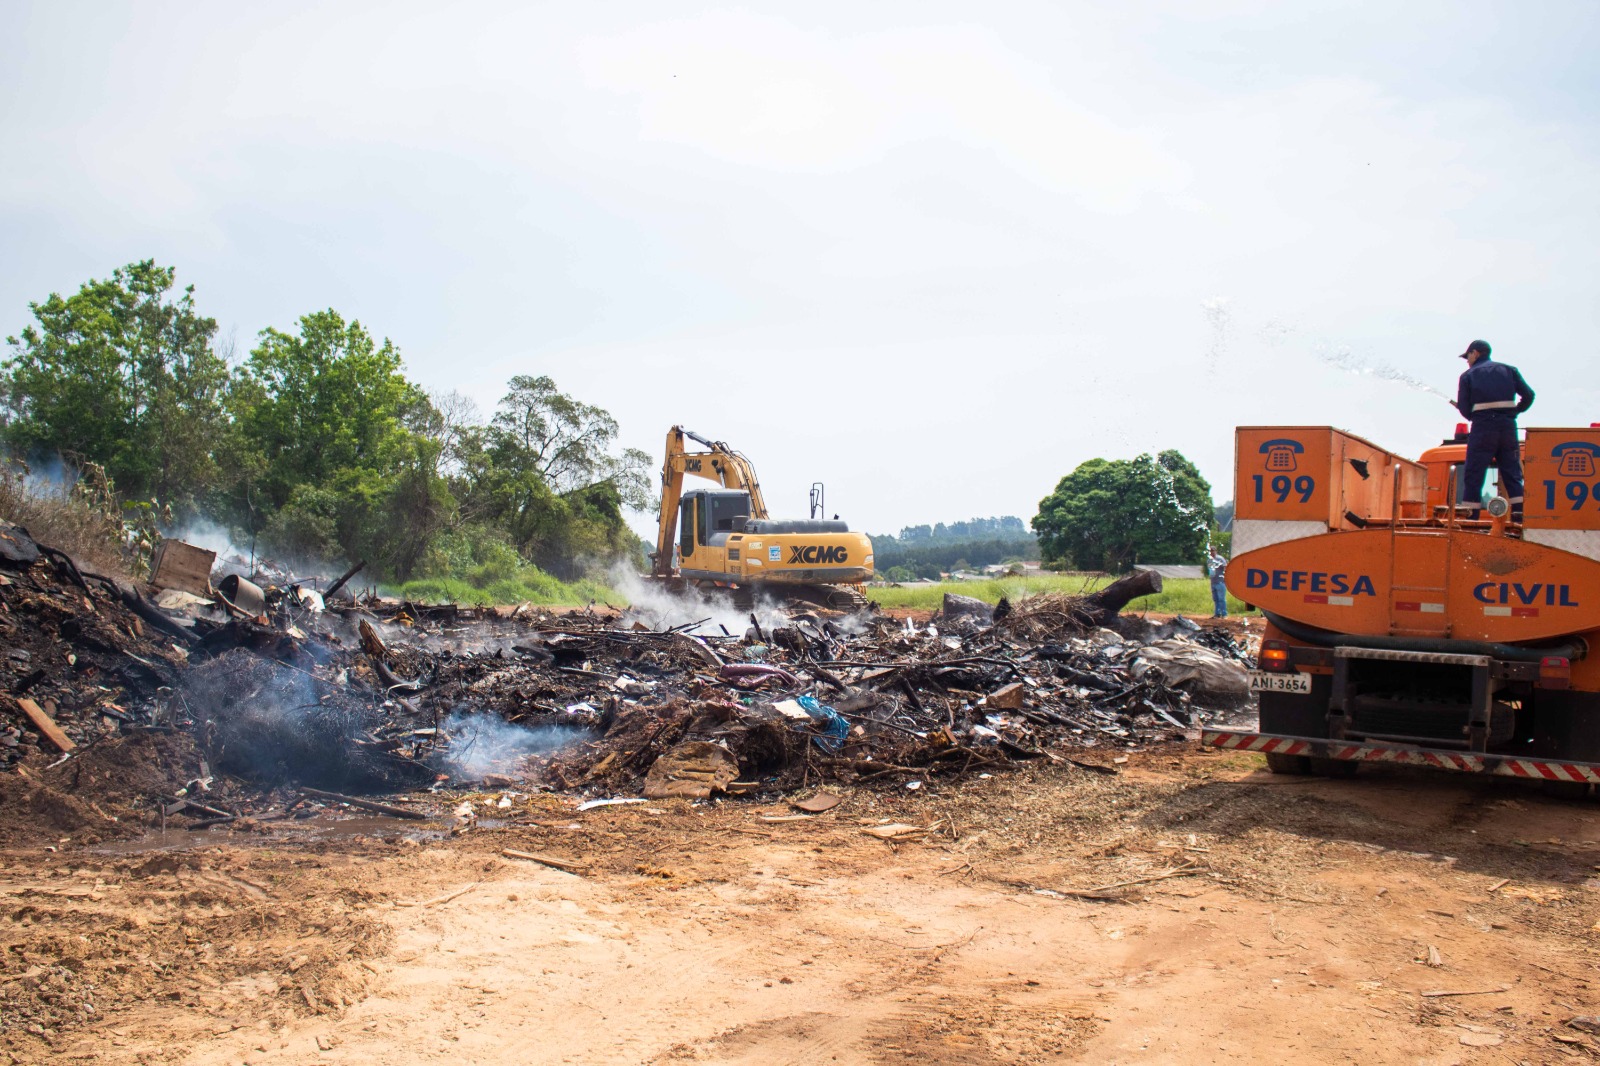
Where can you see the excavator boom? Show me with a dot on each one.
(718, 463)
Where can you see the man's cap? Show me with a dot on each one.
(1477, 346)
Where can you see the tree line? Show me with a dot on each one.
(314, 445)
(922, 553)
(1008, 527)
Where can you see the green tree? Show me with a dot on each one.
(566, 442)
(122, 375)
(335, 453)
(325, 401)
(1110, 514)
(543, 472)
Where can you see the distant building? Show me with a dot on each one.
(1173, 571)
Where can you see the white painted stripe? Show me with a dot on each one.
(1584, 542)
(1497, 612)
(1433, 608)
(1342, 601)
(1250, 534)
(1443, 760)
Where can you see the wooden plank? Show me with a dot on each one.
(181, 566)
(1469, 992)
(366, 805)
(545, 860)
(46, 725)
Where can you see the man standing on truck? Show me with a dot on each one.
(1491, 395)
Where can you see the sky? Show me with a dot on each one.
(933, 255)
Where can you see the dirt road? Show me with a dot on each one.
(1244, 918)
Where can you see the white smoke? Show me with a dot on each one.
(204, 533)
(481, 744)
(48, 476)
(652, 605)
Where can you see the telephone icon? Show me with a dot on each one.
(1280, 453)
(1575, 458)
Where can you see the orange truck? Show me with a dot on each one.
(1401, 630)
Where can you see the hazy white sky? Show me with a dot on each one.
(932, 254)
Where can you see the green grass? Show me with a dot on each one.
(530, 586)
(1190, 596)
(1184, 596)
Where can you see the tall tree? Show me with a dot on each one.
(336, 452)
(566, 442)
(327, 400)
(1110, 514)
(543, 471)
(123, 375)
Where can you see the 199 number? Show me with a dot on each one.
(1305, 485)
(1576, 492)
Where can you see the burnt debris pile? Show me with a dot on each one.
(268, 685)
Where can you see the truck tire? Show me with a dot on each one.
(1334, 767)
(1278, 763)
(1575, 791)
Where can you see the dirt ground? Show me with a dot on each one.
(1247, 918)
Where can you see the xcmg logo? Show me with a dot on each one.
(816, 553)
(1309, 581)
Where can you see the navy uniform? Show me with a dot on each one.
(1491, 395)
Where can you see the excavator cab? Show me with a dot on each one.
(706, 517)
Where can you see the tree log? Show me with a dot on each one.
(957, 606)
(1102, 607)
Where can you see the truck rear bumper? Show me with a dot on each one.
(1376, 751)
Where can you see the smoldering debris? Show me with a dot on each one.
(481, 743)
(274, 723)
(380, 696)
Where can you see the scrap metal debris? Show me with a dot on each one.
(272, 684)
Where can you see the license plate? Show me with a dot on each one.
(1262, 681)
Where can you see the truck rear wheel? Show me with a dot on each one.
(1575, 791)
(1278, 763)
(1333, 767)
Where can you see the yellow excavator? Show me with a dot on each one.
(723, 538)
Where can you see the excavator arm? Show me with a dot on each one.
(718, 463)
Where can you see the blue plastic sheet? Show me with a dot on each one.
(835, 729)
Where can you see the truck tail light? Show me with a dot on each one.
(1555, 672)
(1275, 656)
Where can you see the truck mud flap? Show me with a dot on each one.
(1461, 761)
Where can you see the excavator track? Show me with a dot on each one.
(834, 597)
(844, 598)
